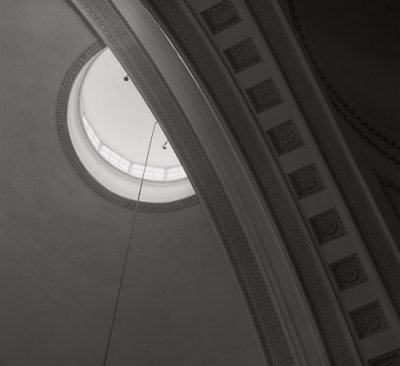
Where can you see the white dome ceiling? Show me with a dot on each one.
(119, 115)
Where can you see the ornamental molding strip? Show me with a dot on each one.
(367, 129)
(65, 138)
(176, 24)
(377, 243)
(116, 32)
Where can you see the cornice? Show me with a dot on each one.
(374, 237)
(175, 22)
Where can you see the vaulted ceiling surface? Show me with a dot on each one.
(62, 245)
(356, 44)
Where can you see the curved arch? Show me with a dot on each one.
(226, 186)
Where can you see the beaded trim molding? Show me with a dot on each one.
(62, 111)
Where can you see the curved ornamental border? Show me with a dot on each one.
(336, 340)
(65, 138)
(375, 238)
(109, 23)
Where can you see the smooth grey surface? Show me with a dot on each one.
(179, 305)
(62, 246)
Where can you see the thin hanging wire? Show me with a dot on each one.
(127, 251)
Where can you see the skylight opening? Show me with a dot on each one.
(111, 128)
(135, 170)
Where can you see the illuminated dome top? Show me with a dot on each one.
(119, 123)
(111, 128)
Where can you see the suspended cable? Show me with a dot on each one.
(127, 251)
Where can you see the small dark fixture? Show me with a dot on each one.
(126, 78)
(165, 145)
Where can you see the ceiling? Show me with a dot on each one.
(356, 44)
(63, 246)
